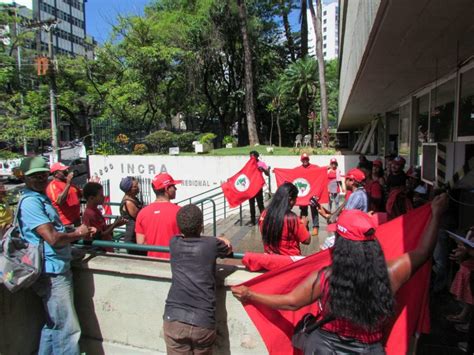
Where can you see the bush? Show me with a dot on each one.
(207, 138)
(139, 149)
(185, 141)
(160, 141)
(228, 139)
(105, 148)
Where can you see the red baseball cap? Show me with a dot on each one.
(163, 180)
(333, 160)
(377, 162)
(355, 174)
(399, 160)
(58, 167)
(353, 225)
(304, 156)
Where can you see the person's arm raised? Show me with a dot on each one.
(401, 269)
(302, 295)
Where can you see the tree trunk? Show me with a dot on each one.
(278, 128)
(287, 27)
(316, 18)
(271, 129)
(304, 29)
(249, 102)
(303, 108)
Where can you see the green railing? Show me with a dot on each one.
(133, 246)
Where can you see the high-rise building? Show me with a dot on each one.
(330, 30)
(69, 36)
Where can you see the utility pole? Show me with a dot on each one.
(52, 92)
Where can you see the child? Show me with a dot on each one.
(189, 324)
(93, 192)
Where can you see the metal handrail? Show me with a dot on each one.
(133, 246)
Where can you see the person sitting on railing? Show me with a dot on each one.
(129, 208)
(92, 217)
(156, 223)
(282, 230)
(189, 321)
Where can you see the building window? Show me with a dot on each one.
(324, 37)
(324, 45)
(325, 13)
(325, 21)
(442, 112)
(404, 133)
(324, 29)
(422, 116)
(324, 54)
(466, 105)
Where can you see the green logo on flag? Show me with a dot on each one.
(303, 187)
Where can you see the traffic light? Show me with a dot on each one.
(42, 64)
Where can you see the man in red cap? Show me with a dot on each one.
(304, 209)
(64, 195)
(156, 223)
(358, 199)
(397, 176)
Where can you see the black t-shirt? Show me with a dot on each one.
(192, 296)
(396, 180)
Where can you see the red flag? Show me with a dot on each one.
(396, 237)
(243, 185)
(312, 181)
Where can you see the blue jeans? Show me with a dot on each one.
(61, 333)
(333, 197)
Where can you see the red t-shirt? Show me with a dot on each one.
(70, 211)
(290, 239)
(92, 217)
(157, 222)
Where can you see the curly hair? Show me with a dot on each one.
(91, 189)
(190, 220)
(359, 286)
(276, 213)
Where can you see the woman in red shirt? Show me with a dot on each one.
(355, 293)
(282, 230)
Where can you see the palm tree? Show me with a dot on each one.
(274, 92)
(300, 79)
(316, 18)
(285, 7)
(249, 102)
(304, 29)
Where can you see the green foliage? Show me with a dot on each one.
(185, 141)
(160, 141)
(105, 148)
(207, 138)
(228, 140)
(140, 149)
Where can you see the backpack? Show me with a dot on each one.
(21, 263)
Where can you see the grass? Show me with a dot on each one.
(262, 149)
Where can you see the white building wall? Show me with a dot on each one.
(330, 30)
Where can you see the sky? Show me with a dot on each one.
(102, 14)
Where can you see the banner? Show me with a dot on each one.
(243, 185)
(312, 181)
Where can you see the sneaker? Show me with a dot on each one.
(463, 328)
(315, 232)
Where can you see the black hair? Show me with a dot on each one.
(359, 286)
(254, 153)
(190, 220)
(160, 192)
(91, 189)
(276, 213)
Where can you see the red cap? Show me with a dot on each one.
(163, 180)
(304, 156)
(333, 160)
(355, 174)
(377, 162)
(353, 224)
(399, 160)
(58, 167)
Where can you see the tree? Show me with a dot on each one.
(285, 8)
(249, 101)
(316, 19)
(300, 80)
(274, 93)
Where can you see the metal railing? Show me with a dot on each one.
(133, 246)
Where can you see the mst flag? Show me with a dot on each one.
(312, 181)
(243, 185)
(412, 312)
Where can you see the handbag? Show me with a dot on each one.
(21, 263)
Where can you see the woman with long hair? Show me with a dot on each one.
(356, 293)
(282, 230)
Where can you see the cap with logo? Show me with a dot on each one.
(58, 167)
(304, 156)
(33, 165)
(333, 161)
(355, 174)
(399, 160)
(354, 225)
(163, 180)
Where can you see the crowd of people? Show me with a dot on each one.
(50, 212)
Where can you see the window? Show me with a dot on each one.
(466, 105)
(325, 13)
(324, 54)
(422, 115)
(324, 37)
(404, 132)
(324, 29)
(324, 45)
(325, 21)
(442, 112)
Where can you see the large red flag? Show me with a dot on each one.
(243, 185)
(412, 314)
(312, 181)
